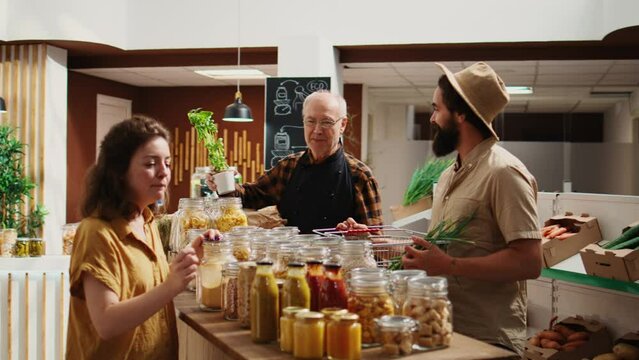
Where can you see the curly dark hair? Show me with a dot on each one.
(455, 103)
(105, 184)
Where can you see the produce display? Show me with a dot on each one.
(555, 231)
(560, 337)
(629, 239)
(421, 183)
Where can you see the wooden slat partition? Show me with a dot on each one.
(34, 320)
(22, 85)
(189, 153)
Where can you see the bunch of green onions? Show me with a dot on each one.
(442, 234)
(421, 183)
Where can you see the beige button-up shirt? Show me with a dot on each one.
(498, 187)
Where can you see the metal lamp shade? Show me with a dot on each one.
(238, 112)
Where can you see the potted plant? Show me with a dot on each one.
(15, 187)
(206, 129)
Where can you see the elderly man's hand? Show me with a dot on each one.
(350, 224)
(210, 182)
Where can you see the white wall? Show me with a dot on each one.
(618, 124)
(55, 145)
(155, 24)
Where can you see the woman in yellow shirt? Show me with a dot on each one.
(122, 287)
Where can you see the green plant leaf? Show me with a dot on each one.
(206, 130)
(421, 183)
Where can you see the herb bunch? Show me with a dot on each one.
(421, 183)
(443, 234)
(206, 130)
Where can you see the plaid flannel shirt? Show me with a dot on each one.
(267, 190)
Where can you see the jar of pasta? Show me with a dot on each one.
(427, 302)
(369, 298)
(191, 214)
(245, 277)
(287, 322)
(68, 233)
(230, 214)
(344, 337)
(241, 242)
(396, 334)
(217, 254)
(399, 286)
(230, 290)
(308, 335)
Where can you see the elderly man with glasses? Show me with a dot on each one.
(323, 185)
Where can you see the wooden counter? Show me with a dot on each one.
(206, 335)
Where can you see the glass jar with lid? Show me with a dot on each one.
(191, 214)
(287, 323)
(285, 255)
(217, 253)
(198, 182)
(285, 231)
(308, 335)
(309, 253)
(333, 244)
(344, 337)
(259, 246)
(264, 304)
(399, 286)
(427, 302)
(396, 334)
(36, 247)
(8, 239)
(21, 248)
(369, 298)
(231, 214)
(273, 248)
(68, 234)
(356, 254)
(245, 277)
(241, 242)
(230, 290)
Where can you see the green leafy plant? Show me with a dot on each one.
(206, 129)
(15, 188)
(421, 183)
(443, 234)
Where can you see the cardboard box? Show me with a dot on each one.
(401, 211)
(588, 232)
(598, 343)
(612, 264)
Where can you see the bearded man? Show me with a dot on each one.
(486, 279)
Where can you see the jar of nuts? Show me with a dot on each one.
(369, 298)
(396, 334)
(399, 285)
(427, 302)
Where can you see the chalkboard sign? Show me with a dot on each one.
(284, 133)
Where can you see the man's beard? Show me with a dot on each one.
(446, 138)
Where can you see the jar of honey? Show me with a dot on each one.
(344, 337)
(308, 335)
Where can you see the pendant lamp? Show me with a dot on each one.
(3, 106)
(238, 111)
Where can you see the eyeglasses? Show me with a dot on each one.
(324, 124)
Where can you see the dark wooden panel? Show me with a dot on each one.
(353, 133)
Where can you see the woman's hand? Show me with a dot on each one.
(432, 258)
(197, 243)
(182, 269)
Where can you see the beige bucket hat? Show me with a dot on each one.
(482, 89)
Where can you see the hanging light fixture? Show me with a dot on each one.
(3, 106)
(238, 111)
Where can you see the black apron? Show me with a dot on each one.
(318, 195)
